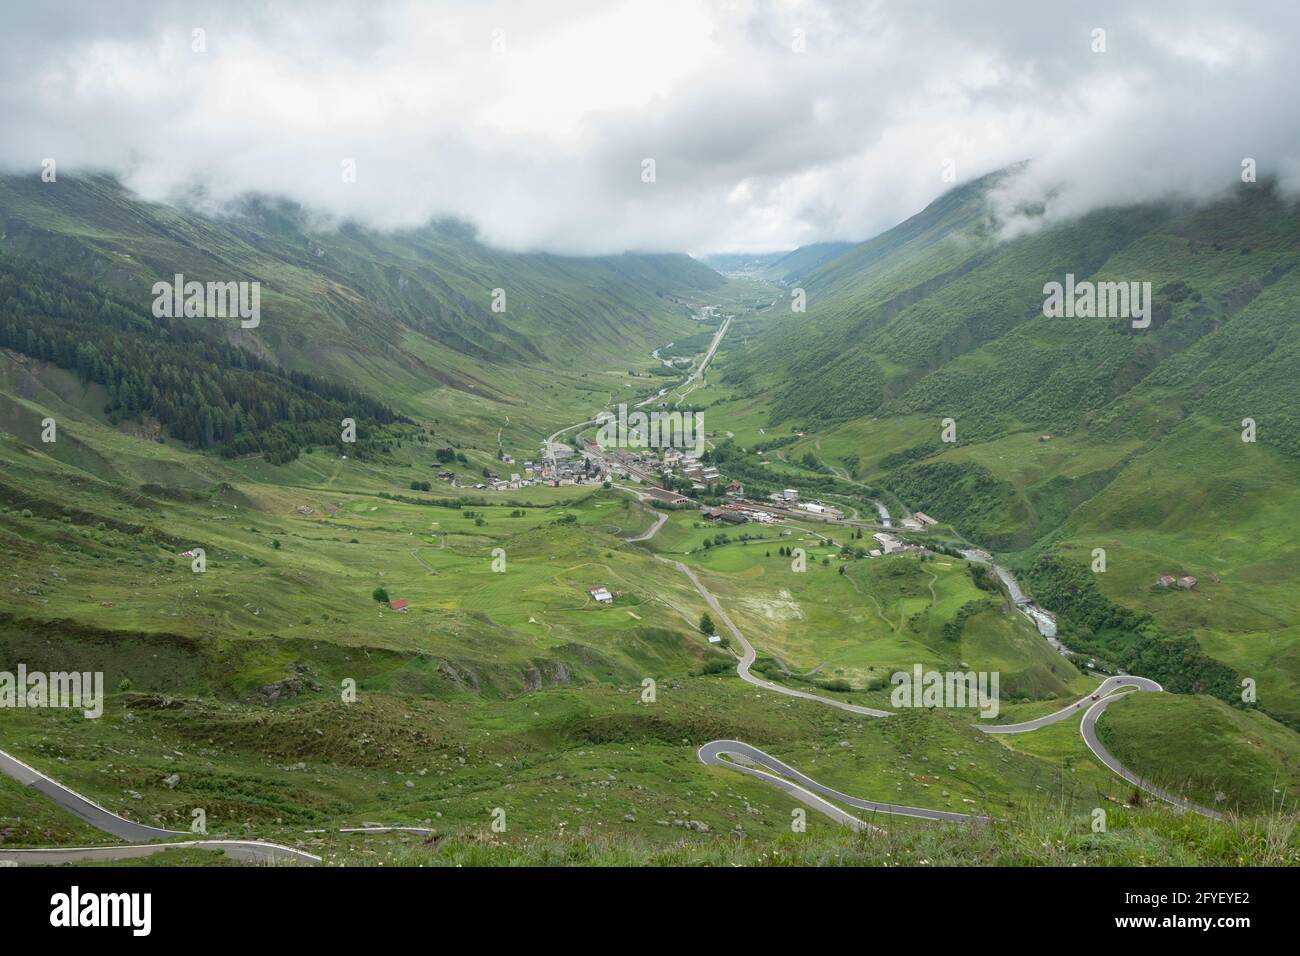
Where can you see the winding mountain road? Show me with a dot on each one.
(750, 655)
(1088, 728)
(1107, 686)
(246, 851)
(802, 787)
(136, 834)
(750, 760)
(81, 807)
(805, 789)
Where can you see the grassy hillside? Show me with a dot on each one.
(1251, 764)
(795, 265)
(1071, 435)
(406, 319)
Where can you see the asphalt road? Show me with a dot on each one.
(806, 790)
(800, 788)
(246, 851)
(137, 834)
(1088, 728)
(708, 357)
(1105, 687)
(86, 810)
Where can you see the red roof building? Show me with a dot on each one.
(399, 605)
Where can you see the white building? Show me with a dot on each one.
(888, 543)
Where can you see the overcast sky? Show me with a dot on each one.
(532, 120)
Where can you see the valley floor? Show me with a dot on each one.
(504, 715)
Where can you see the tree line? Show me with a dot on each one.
(208, 393)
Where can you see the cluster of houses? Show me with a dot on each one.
(675, 463)
(705, 313)
(495, 482)
(649, 466)
(562, 465)
(558, 465)
(1185, 583)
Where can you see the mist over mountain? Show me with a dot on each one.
(841, 119)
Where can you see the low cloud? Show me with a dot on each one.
(770, 124)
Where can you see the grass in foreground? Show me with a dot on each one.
(1134, 837)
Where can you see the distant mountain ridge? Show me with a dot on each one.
(783, 267)
(798, 263)
(338, 298)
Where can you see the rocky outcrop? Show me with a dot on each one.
(546, 673)
(286, 689)
(463, 677)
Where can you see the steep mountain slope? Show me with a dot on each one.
(1072, 434)
(406, 318)
(796, 264)
(937, 303)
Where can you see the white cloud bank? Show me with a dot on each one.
(532, 120)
